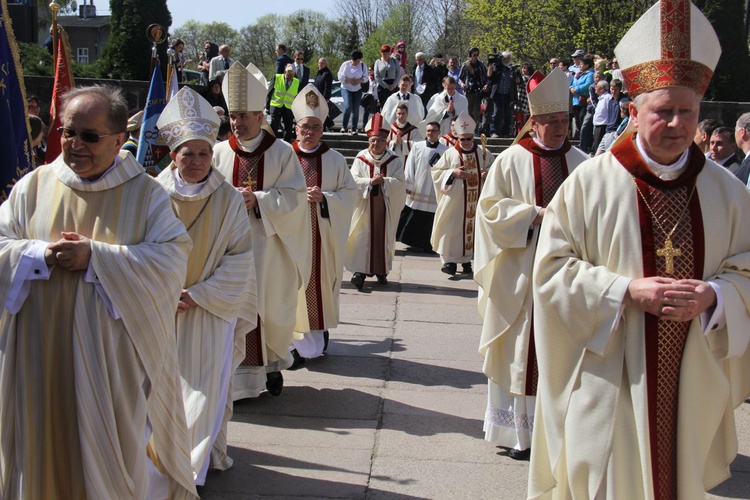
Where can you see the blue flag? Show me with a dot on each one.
(15, 146)
(153, 152)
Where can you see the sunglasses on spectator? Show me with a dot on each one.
(90, 137)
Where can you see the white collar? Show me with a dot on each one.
(308, 150)
(251, 145)
(543, 146)
(186, 188)
(663, 172)
(114, 164)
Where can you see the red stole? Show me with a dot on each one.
(248, 172)
(550, 168)
(472, 189)
(241, 174)
(312, 166)
(665, 340)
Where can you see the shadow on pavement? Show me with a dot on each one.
(736, 486)
(400, 370)
(357, 408)
(253, 477)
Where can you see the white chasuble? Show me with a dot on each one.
(280, 225)
(330, 220)
(504, 255)
(221, 280)
(593, 432)
(78, 384)
(363, 254)
(453, 230)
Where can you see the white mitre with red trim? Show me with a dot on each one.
(671, 45)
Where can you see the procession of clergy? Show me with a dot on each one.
(617, 289)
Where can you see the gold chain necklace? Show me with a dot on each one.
(669, 252)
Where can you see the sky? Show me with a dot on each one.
(238, 13)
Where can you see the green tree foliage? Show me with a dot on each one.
(733, 70)
(194, 34)
(127, 55)
(35, 59)
(536, 30)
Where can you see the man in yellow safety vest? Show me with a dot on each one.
(279, 101)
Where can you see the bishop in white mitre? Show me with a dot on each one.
(458, 178)
(220, 282)
(331, 193)
(522, 181)
(268, 174)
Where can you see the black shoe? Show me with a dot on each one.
(325, 340)
(382, 280)
(466, 268)
(274, 383)
(298, 361)
(520, 454)
(449, 268)
(358, 280)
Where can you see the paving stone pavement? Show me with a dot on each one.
(394, 410)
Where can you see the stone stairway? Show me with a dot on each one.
(350, 145)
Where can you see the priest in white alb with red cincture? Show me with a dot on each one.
(642, 292)
(518, 187)
(331, 193)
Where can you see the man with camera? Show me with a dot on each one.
(501, 74)
(474, 81)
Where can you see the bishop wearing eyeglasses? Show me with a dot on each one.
(458, 178)
(92, 262)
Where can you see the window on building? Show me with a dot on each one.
(83, 55)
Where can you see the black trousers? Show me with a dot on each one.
(282, 113)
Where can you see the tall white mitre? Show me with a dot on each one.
(186, 117)
(671, 45)
(547, 94)
(244, 89)
(550, 94)
(310, 103)
(464, 124)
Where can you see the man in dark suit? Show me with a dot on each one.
(426, 81)
(301, 71)
(324, 83)
(742, 137)
(282, 60)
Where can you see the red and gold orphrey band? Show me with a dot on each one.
(653, 75)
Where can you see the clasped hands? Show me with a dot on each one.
(71, 252)
(377, 180)
(314, 194)
(251, 201)
(670, 299)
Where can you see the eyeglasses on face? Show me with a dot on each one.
(308, 128)
(466, 139)
(90, 137)
(432, 130)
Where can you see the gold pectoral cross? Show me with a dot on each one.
(669, 253)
